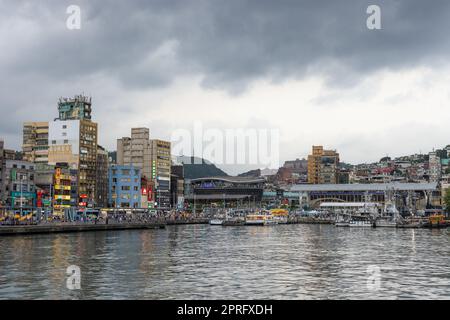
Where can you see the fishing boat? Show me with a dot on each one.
(360, 221)
(261, 218)
(390, 218)
(385, 222)
(234, 218)
(341, 221)
(234, 221)
(280, 215)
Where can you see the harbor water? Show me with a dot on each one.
(214, 262)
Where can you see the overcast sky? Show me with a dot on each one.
(310, 68)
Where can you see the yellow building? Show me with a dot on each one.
(62, 190)
(323, 166)
(161, 169)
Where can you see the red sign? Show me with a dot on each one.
(40, 193)
(82, 204)
(83, 196)
(149, 197)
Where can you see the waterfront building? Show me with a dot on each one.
(225, 191)
(323, 166)
(101, 190)
(63, 197)
(124, 183)
(35, 142)
(177, 186)
(419, 195)
(19, 190)
(43, 179)
(152, 156)
(161, 169)
(73, 140)
(135, 150)
(2, 165)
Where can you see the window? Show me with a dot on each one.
(66, 141)
(64, 126)
(53, 141)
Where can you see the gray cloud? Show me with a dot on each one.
(229, 44)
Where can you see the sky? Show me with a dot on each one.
(310, 69)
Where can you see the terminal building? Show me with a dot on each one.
(225, 191)
(417, 196)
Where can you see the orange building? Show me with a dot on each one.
(323, 166)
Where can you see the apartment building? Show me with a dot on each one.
(35, 142)
(323, 166)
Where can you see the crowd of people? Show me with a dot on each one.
(111, 217)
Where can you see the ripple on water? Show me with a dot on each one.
(204, 262)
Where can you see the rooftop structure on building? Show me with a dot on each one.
(76, 108)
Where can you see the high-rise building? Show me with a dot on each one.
(35, 142)
(101, 190)
(152, 156)
(135, 150)
(323, 166)
(73, 140)
(161, 169)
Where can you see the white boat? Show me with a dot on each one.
(360, 222)
(386, 222)
(341, 221)
(216, 222)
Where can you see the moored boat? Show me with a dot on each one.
(341, 221)
(261, 218)
(280, 215)
(360, 221)
(216, 222)
(385, 222)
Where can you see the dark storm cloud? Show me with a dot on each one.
(229, 44)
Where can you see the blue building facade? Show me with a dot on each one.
(124, 186)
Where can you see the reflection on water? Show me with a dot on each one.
(208, 262)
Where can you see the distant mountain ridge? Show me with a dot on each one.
(195, 168)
